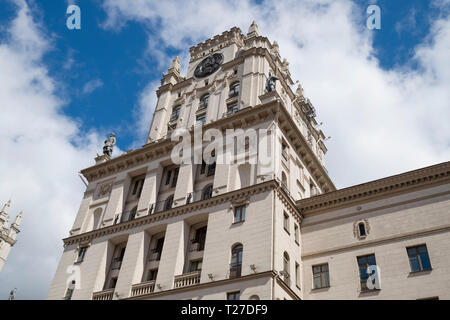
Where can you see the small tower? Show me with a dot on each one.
(8, 234)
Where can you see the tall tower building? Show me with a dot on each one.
(8, 233)
(255, 217)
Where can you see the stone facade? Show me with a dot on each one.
(148, 228)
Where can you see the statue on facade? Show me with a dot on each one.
(12, 294)
(270, 83)
(109, 145)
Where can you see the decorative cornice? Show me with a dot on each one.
(183, 209)
(401, 183)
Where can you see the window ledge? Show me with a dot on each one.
(419, 273)
(320, 289)
(238, 222)
(297, 242)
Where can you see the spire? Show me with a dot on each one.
(253, 30)
(17, 220)
(6, 207)
(175, 65)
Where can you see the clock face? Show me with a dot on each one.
(209, 65)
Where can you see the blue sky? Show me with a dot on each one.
(120, 61)
(383, 95)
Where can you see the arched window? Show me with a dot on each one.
(207, 192)
(168, 203)
(204, 101)
(132, 214)
(254, 297)
(234, 89)
(236, 261)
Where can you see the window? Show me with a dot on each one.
(211, 169)
(234, 89)
(236, 261)
(70, 290)
(204, 101)
(234, 295)
(321, 276)
(156, 252)
(137, 186)
(297, 275)
(195, 265)
(113, 283)
(132, 214)
(232, 108)
(200, 238)
(201, 120)
(175, 113)
(418, 258)
(239, 214)
(286, 222)
(362, 229)
(284, 150)
(116, 219)
(152, 274)
(169, 174)
(363, 263)
(203, 167)
(81, 254)
(175, 177)
(297, 234)
(168, 204)
(207, 192)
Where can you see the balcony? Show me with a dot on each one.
(286, 277)
(187, 280)
(155, 255)
(235, 271)
(116, 263)
(103, 295)
(197, 246)
(144, 288)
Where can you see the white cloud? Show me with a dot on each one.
(92, 85)
(42, 151)
(381, 122)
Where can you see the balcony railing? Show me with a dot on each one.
(143, 288)
(157, 207)
(103, 295)
(286, 277)
(235, 271)
(197, 245)
(116, 263)
(186, 280)
(155, 255)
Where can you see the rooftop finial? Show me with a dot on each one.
(253, 30)
(6, 207)
(175, 65)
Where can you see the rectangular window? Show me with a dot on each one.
(297, 233)
(195, 266)
(175, 177)
(297, 275)
(175, 113)
(363, 263)
(69, 294)
(232, 108)
(81, 254)
(211, 169)
(284, 150)
(234, 295)
(152, 274)
(201, 120)
(418, 258)
(203, 167)
(239, 214)
(169, 174)
(286, 222)
(321, 276)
